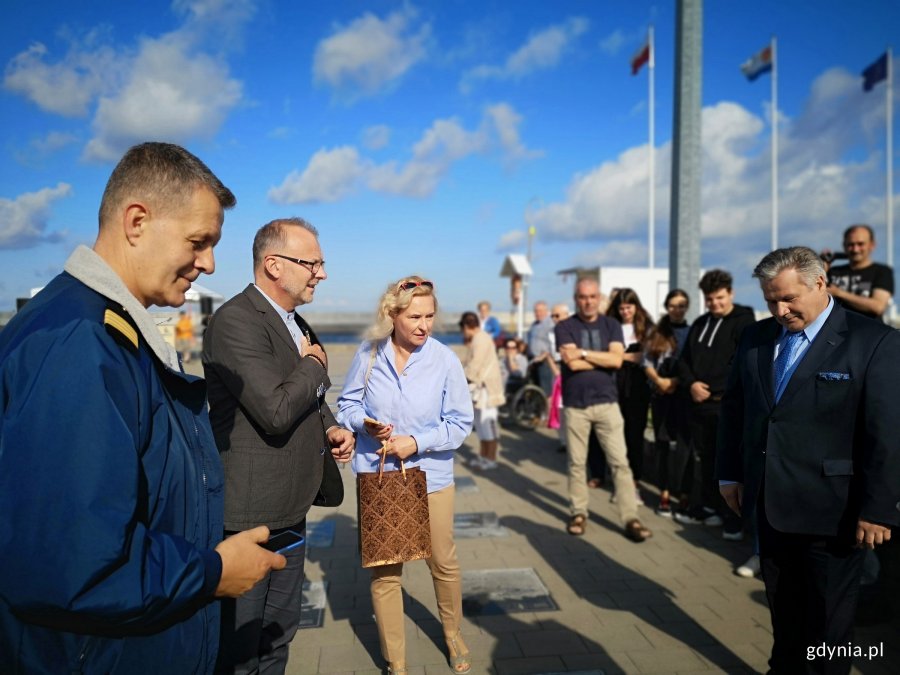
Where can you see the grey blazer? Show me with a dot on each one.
(267, 411)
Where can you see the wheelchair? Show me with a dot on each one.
(526, 404)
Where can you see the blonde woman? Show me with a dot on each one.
(414, 387)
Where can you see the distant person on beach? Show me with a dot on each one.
(406, 395)
(184, 336)
(483, 373)
(489, 324)
(110, 486)
(267, 375)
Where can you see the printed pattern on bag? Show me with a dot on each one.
(394, 524)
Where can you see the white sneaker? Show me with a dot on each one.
(749, 569)
(476, 462)
(488, 464)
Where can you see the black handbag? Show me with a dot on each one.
(331, 491)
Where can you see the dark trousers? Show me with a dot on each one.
(634, 402)
(812, 585)
(258, 627)
(704, 427)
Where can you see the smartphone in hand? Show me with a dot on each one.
(284, 541)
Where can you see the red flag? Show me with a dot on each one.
(641, 56)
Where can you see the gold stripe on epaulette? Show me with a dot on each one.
(118, 323)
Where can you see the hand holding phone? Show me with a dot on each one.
(283, 541)
(377, 429)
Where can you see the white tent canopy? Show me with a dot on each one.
(196, 292)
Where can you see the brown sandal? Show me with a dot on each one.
(637, 532)
(595, 483)
(577, 523)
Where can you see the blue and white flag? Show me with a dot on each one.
(758, 64)
(875, 73)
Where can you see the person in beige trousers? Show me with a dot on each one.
(482, 368)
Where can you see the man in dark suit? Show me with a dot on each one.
(267, 376)
(808, 435)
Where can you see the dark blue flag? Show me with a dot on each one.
(875, 73)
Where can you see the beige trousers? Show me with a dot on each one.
(605, 419)
(387, 595)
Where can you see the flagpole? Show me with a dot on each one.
(652, 173)
(774, 145)
(889, 116)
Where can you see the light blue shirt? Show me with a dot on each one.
(429, 401)
(810, 333)
(287, 317)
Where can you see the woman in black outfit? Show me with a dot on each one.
(634, 390)
(669, 402)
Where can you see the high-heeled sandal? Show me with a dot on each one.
(395, 670)
(459, 662)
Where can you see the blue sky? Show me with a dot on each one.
(423, 137)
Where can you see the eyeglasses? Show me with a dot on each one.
(409, 285)
(312, 265)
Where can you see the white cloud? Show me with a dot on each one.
(329, 176)
(362, 58)
(506, 123)
(612, 44)
(23, 220)
(332, 174)
(166, 87)
(376, 137)
(831, 173)
(512, 240)
(67, 87)
(542, 51)
(171, 95)
(53, 141)
(617, 252)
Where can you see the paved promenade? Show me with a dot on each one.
(537, 600)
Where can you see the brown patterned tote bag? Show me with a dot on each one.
(393, 516)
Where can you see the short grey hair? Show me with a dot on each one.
(164, 175)
(271, 236)
(807, 262)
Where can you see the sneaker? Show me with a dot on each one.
(749, 569)
(715, 520)
(664, 509)
(476, 462)
(737, 535)
(695, 516)
(637, 497)
(488, 464)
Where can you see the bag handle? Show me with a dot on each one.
(381, 463)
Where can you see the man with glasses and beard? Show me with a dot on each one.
(268, 375)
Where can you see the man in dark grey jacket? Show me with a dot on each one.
(267, 376)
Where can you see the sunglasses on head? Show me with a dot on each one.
(409, 285)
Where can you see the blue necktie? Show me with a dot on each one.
(786, 357)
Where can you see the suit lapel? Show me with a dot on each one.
(830, 336)
(765, 358)
(270, 316)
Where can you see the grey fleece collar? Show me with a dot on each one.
(91, 270)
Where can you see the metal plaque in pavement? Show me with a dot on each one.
(489, 592)
(312, 606)
(320, 534)
(475, 525)
(465, 484)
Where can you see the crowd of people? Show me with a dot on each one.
(166, 501)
